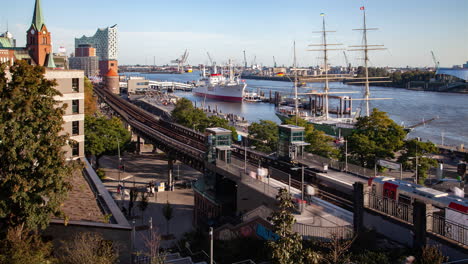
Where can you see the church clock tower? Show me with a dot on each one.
(38, 40)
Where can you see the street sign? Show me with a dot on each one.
(389, 164)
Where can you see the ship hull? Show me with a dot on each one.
(219, 97)
(228, 93)
(332, 129)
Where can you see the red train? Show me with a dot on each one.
(454, 209)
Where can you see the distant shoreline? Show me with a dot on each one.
(415, 86)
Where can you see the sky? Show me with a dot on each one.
(160, 30)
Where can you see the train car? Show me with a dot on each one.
(454, 209)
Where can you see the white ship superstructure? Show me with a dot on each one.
(219, 87)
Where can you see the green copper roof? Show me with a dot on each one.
(38, 18)
(5, 43)
(50, 63)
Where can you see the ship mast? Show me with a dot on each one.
(296, 103)
(366, 47)
(325, 50)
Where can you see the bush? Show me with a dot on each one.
(101, 174)
(88, 248)
(21, 247)
(371, 257)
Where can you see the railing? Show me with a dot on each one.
(454, 231)
(391, 207)
(322, 232)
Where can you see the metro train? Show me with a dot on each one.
(453, 208)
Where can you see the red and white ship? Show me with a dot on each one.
(219, 87)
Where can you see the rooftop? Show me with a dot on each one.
(81, 204)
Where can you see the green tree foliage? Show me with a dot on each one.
(373, 72)
(264, 135)
(187, 115)
(397, 79)
(102, 135)
(33, 169)
(413, 148)
(90, 100)
(21, 246)
(320, 143)
(287, 249)
(376, 137)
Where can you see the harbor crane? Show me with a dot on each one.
(209, 57)
(436, 62)
(245, 61)
(180, 61)
(348, 65)
(274, 62)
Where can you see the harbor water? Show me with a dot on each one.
(407, 107)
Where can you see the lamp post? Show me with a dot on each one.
(346, 155)
(211, 245)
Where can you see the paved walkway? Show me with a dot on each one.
(139, 171)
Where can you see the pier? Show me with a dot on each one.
(170, 86)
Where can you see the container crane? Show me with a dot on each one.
(274, 62)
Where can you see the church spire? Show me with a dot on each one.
(38, 18)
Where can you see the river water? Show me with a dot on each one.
(407, 107)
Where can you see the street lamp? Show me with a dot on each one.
(211, 245)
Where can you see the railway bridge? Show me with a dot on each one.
(228, 187)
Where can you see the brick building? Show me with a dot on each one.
(105, 43)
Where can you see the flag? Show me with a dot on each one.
(322, 14)
(362, 8)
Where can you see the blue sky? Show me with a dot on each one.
(163, 29)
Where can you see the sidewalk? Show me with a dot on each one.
(139, 171)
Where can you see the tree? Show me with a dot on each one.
(187, 115)
(33, 169)
(320, 143)
(264, 135)
(22, 246)
(287, 249)
(431, 255)
(143, 204)
(88, 247)
(413, 148)
(90, 102)
(152, 243)
(104, 135)
(167, 212)
(338, 247)
(376, 137)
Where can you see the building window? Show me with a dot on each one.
(75, 148)
(75, 106)
(112, 64)
(75, 84)
(75, 127)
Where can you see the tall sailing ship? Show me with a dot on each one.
(220, 87)
(337, 126)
